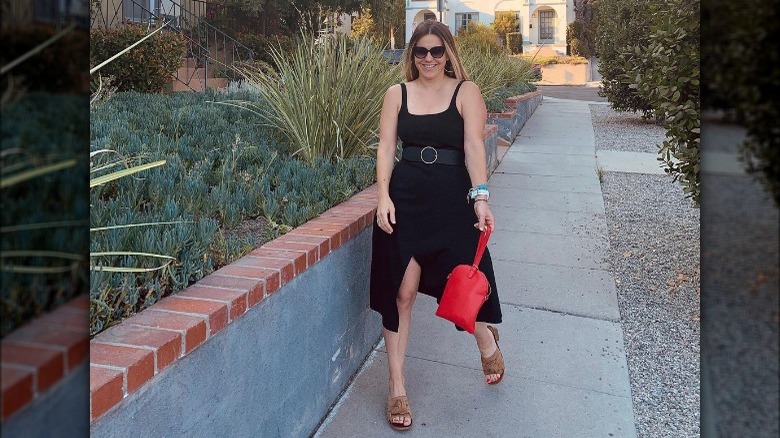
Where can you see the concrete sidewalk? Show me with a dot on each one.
(562, 341)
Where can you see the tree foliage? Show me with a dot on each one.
(390, 21)
(581, 33)
(666, 72)
(481, 37)
(655, 68)
(505, 22)
(363, 25)
(270, 17)
(384, 22)
(146, 68)
(741, 56)
(623, 25)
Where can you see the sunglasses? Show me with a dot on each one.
(421, 52)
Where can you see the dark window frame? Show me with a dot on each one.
(547, 25)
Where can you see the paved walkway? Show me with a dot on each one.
(566, 366)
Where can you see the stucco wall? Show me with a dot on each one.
(66, 405)
(566, 73)
(273, 372)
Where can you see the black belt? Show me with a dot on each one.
(431, 155)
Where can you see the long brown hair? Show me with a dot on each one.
(453, 68)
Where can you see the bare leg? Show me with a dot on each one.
(486, 344)
(396, 342)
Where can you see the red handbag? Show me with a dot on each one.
(466, 290)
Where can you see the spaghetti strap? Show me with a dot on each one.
(455, 94)
(403, 97)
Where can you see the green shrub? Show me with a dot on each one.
(480, 37)
(623, 25)
(740, 50)
(61, 67)
(492, 71)
(148, 67)
(520, 88)
(577, 38)
(666, 73)
(222, 168)
(504, 23)
(263, 45)
(496, 103)
(489, 64)
(326, 99)
(658, 74)
(37, 130)
(549, 60)
(514, 41)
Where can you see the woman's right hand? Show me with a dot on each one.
(385, 215)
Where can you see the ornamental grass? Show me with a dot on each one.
(326, 96)
(493, 71)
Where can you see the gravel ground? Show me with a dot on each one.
(654, 254)
(624, 131)
(740, 259)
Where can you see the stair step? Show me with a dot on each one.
(189, 62)
(188, 72)
(197, 84)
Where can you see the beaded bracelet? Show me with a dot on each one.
(478, 190)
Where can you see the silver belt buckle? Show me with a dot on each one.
(435, 156)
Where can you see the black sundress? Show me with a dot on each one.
(434, 223)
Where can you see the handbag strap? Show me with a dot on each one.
(483, 240)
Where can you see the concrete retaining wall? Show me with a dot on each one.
(520, 107)
(275, 371)
(63, 412)
(508, 124)
(45, 374)
(491, 147)
(525, 105)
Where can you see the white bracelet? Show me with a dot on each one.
(473, 193)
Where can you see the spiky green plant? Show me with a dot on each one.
(493, 70)
(327, 96)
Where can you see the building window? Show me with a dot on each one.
(137, 11)
(462, 20)
(60, 11)
(429, 16)
(49, 11)
(546, 25)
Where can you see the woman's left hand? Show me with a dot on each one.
(484, 216)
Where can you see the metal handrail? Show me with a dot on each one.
(208, 46)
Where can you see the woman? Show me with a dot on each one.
(432, 205)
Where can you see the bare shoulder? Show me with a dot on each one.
(392, 97)
(470, 90)
(470, 95)
(393, 92)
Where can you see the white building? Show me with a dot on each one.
(542, 22)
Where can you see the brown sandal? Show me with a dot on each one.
(399, 407)
(495, 363)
